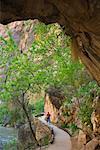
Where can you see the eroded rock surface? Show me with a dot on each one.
(43, 133)
(95, 117)
(81, 140)
(53, 101)
(91, 145)
(21, 31)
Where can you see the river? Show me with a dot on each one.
(7, 135)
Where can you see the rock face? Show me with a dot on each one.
(92, 144)
(80, 142)
(70, 114)
(49, 107)
(43, 135)
(22, 33)
(53, 102)
(89, 138)
(95, 117)
(79, 18)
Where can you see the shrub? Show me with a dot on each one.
(11, 145)
(38, 107)
(86, 111)
(3, 111)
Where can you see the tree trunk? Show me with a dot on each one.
(29, 122)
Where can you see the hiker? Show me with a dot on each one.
(48, 117)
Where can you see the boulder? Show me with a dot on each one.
(81, 140)
(43, 134)
(25, 138)
(91, 145)
(74, 142)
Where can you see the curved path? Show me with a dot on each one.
(62, 139)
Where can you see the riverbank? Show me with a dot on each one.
(7, 135)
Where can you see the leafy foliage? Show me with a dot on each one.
(3, 110)
(47, 62)
(38, 107)
(43, 64)
(88, 92)
(86, 111)
(73, 128)
(11, 145)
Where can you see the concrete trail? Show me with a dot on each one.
(62, 139)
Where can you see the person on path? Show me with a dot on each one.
(48, 117)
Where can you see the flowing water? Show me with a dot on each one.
(7, 135)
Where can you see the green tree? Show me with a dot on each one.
(46, 63)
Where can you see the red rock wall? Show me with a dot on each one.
(49, 107)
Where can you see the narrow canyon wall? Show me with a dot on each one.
(21, 31)
(49, 107)
(54, 99)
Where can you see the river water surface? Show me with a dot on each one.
(7, 135)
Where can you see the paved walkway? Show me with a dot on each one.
(62, 139)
